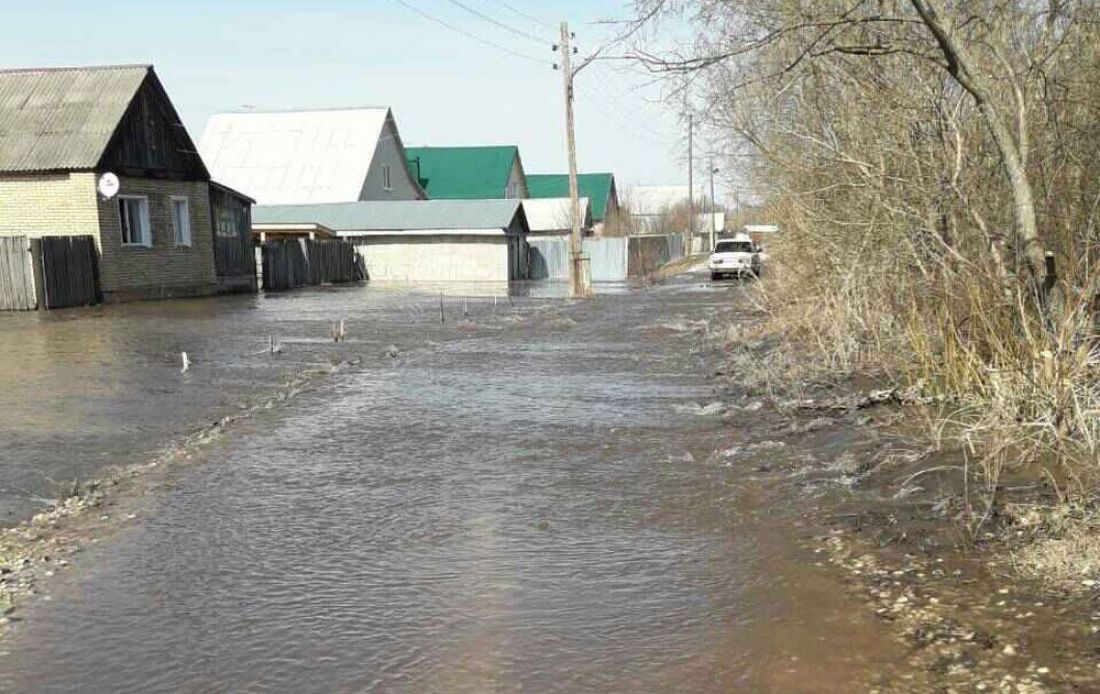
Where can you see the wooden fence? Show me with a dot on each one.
(50, 272)
(235, 263)
(16, 274)
(301, 262)
(69, 272)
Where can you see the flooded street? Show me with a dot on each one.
(523, 498)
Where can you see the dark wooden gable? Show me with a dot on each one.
(151, 141)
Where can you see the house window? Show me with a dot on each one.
(387, 178)
(133, 212)
(181, 221)
(227, 223)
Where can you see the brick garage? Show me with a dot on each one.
(61, 129)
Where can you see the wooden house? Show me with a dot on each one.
(101, 152)
(234, 252)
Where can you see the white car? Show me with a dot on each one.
(735, 257)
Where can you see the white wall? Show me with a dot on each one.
(435, 258)
(516, 181)
(387, 153)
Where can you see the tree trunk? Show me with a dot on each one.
(960, 66)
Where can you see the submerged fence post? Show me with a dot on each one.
(38, 274)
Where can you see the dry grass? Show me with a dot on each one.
(1016, 384)
(1065, 552)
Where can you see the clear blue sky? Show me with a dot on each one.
(445, 88)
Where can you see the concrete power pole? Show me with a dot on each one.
(579, 268)
(691, 184)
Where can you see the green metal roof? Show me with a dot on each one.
(395, 215)
(462, 173)
(596, 187)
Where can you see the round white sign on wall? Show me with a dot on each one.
(108, 185)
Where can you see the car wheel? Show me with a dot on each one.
(715, 276)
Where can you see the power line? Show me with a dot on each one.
(627, 125)
(469, 35)
(526, 16)
(502, 25)
(634, 114)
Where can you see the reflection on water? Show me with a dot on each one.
(535, 289)
(521, 508)
(86, 388)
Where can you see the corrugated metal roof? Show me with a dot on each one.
(397, 215)
(594, 186)
(463, 173)
(294, 157)
(62, 118)
(552, 214)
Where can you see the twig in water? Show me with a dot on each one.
(441, 317)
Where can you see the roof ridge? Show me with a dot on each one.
(440, 201)
(462, 147)
(580, 173)
(77, 68)
(246, 111)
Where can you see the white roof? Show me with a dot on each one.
(651, 200)
(294, 157)
(552, 214)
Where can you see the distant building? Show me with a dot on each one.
(418, 241)
(664, 209)
(761, 228)
(469, 173)
(552, 216)
(310, 157)
(61, 130)
(599, 188)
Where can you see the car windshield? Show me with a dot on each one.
(733, 247)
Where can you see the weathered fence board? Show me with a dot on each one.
(16, 275)
(301, 262)
(47, 272)
(69, 271)
(234, 259)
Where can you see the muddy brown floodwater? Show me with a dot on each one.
(526, 499)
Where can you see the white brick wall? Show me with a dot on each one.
(48, 205)
(67, 204)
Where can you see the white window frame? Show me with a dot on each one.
(146, 240)
(387, 177)
(179, 238)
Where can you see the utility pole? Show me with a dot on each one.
(579, 268)
(691, 183)
(713, 220)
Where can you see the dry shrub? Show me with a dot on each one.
(922, 158)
